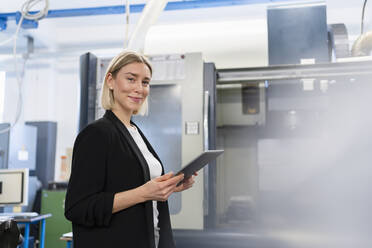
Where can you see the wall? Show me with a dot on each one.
(231, 37)
(50, 93)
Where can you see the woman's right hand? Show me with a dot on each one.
(160, 188)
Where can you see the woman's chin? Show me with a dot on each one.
(136, 110)
(134, 106)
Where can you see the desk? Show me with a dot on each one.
(33, 220)
(68, 240)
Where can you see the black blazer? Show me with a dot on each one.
(106, 160)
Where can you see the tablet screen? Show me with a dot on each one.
(198, 163)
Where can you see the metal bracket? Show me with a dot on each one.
(3, 24)
(26, 24)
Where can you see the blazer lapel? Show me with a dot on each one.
(124, 131)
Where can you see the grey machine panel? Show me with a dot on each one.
(22, 147)
(4, 146)
(165, 112)
(88, 72)
(297, 32)
(45, 150)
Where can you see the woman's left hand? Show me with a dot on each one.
(188, 183)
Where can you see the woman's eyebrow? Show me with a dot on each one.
(136, 75)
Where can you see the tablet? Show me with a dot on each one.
(198, 163)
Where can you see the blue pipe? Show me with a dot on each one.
(135, 8)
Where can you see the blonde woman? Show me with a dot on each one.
(117, 194)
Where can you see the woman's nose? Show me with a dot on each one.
(138, 86)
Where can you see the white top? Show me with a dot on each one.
(154, 166)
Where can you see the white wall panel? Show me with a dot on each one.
(229, 44)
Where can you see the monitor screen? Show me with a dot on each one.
(14, 187)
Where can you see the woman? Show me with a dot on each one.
(117, 194)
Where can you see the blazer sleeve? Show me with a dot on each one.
(86, 202)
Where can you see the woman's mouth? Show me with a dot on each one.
(135, 99)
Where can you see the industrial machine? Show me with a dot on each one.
(18, 147)
(45, 150)
(287, 177)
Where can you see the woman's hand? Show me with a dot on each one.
(188, 183)
(160, 188)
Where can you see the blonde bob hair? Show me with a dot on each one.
(119, 61)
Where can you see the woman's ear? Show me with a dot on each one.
(110, 81)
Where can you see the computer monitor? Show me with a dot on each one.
(14, 187)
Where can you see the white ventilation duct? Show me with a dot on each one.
(149, 16)
(363, 45)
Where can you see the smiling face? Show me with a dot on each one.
(130, 87)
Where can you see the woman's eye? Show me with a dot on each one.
(145, 83)
(131, 79)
